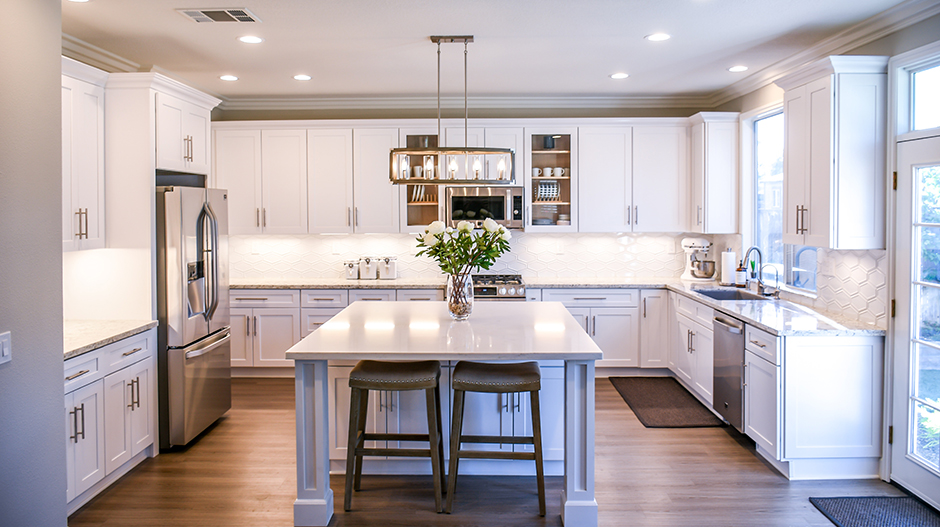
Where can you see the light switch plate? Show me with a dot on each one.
(6, 347)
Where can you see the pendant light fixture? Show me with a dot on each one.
(452, 165)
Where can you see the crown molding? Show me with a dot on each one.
(92, 55)
(163, 84)
(83, 72)
(884, 23)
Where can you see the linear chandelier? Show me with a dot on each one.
(433, 165)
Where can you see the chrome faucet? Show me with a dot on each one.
(760, 269)
(775, 290)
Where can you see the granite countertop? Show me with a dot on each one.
(606, 282)
(82, 336)
(336, 283)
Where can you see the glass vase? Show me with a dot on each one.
(460, 296)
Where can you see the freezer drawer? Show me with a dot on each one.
(200, 385)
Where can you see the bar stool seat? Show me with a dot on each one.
(394, 376)
(495, 378)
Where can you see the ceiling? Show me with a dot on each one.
(380, 49)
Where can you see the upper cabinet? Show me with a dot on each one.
(330, 180)
(376, 201)
(714, 173)
(83, 220)
(834, 153)
(551, 184)
(605, 185)
(660, 178)
(182, 135)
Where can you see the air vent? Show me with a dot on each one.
(219, 15)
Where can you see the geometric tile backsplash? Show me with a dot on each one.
(852, 284)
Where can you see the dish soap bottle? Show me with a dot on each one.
(740, 275)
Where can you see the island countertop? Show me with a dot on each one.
(425, 330)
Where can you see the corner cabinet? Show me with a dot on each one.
(551, 199)
(834, 153)
(714, 173)
(83, 220)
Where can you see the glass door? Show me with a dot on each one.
(915, 451)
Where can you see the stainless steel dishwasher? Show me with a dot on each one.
(728, 395)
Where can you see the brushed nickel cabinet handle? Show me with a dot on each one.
(644, 308)
(257, 217)
(131, 386)
(357, 216)
(691, 341)
(636, 214)
(590, 298)
(593, 326)
(77, 375)
(79, 233)
(349, 216)
(322, 299)
(137, 401)
(131, 352)
(260, 298)
(698, 215)
(74, 414)
(264, 217)
(247, 326)
(82, 410)
(256, 325)
(758, 344)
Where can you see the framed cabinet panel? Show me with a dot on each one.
(330, 180)
(605, 183)
(660, 178)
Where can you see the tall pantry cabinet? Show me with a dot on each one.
(834, 153)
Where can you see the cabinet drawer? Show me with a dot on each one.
(264, 298)
(324, 298)
(593, 297)
(128, 351)
(312, 318)
(371, 295)
(424, 295)
(761, 343)
(82, 370)
(695, 310)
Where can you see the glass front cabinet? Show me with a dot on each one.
(422, 203)
(551, 179)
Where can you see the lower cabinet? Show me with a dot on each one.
(694, 347)
(128, 413)
(265, 324)
(762, 400)
(84, 432)
(654, 328)
(610, 316)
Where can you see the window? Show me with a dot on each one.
(795, 265)
(926, 105)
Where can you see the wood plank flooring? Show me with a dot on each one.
(242, 473)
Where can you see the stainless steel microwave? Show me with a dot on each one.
(476, 203)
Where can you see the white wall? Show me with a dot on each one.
(32, 429)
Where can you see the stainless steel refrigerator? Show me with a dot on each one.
(194, 357)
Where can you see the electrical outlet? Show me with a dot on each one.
(6, 347)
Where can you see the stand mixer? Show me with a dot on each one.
(696, 267)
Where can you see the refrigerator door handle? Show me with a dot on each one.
(205, 347)
(213, 268)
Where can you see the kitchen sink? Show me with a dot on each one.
(730, 294)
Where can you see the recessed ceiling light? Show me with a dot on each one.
(619, 76)
(737, 69)
(302, 77)
(658, 37)
(251, 39)
(229, 78)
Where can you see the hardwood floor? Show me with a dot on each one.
(242, 473)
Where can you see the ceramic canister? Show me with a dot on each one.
(388, 268)
(368, 267)
(351, 269)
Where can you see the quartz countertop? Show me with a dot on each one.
(336, 283)
(82, 336)
(605, 282)
(425, 330)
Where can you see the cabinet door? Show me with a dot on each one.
(406, 412)
(312, 318)
(330, 180)
(69, 447)
(118, 397)
(171, 143)
(488, 414)
(241, 323)
(508, 138)
(762, 399)
(795, 162)
(552, 413)
(616, 330)
(817, 221)
(284, 181)
(237, 168)
(714, 177)
(703, 366)
(454, 137)
(420, 295)
(660, 178)
(275, 331)
(605, 180)
(141, 420)
(338, 378)
(371, 295)
(376, 201)
(583, 316)
(82, 165)
(684, 328)
(654, 329)
(89, 454)
(697, 189)
(547, 198)
(196, 130)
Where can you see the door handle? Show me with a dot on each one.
(698, 215)
(137, 382)
(131, 352)
(256, 325)
(593, 326)
(636, 214)
(357, 217)
(131, 386)
(348, 216)
(691, 341)
(264, 217)
(77, 375)
(644, 308)
(257, 217)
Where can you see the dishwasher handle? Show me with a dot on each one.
(731, 326)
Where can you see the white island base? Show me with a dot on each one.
(421, 331)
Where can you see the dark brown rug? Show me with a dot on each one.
(661, 402)
(877, 511)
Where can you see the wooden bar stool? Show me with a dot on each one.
(394, 376)
(495, 378)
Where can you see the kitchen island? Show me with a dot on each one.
(499, 331)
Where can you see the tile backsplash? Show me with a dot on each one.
(852, 284)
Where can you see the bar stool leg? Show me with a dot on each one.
(537, 439)
(363, 417)
(354, 420)
(456, 428)
(440, 437)
(434, 440)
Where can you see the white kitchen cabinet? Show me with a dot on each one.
(183, 130)
(419, 295)
(660, 178)
(84, 432)
(372, 295)
(714, 173)
(550, 199)
(762, 403)
(128, 412)
(265, 324)
(654, 328)
(694, 342)
(83, 220)
(420, 204)
(330, 180)
(509, 137)
(834, 148)
(312, 318)
(376, 201)
(265, 172)
(610, 316)
(605, 183)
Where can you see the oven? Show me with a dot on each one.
(502, 204)
(488, 287)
